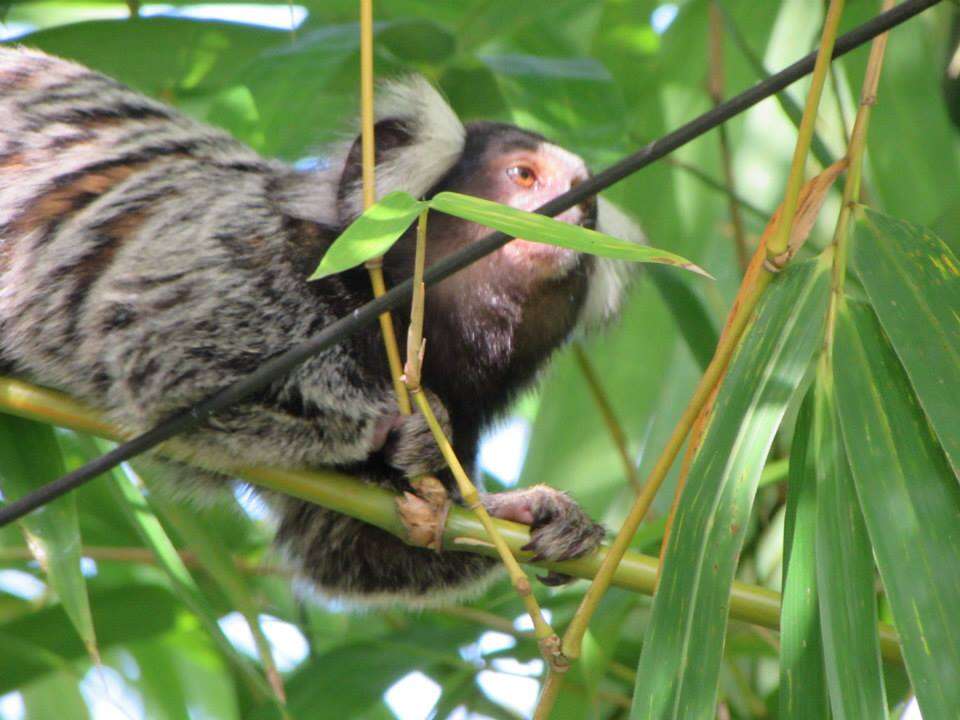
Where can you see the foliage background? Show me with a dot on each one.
(601, 77)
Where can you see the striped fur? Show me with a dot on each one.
(147, 260)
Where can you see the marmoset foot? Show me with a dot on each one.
(559, 528)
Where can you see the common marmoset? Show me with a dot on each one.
(148, 260)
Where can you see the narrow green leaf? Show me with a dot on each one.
(844, 567)
(689, 311)
(126, 614)
(153, 534)
(30, 458)
(680, 664)
(224, 573)
(803, 687)
(913, 280)
(910, 501)
(540, 228)
(371, 234)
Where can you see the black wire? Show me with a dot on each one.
(367, 314)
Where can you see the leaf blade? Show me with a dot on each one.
(540, 228)
(910, 501)
(371, 234)
(679, 667)
(31, 458)
(912, 278)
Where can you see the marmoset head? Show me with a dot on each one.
(510, 310)
(423, 148)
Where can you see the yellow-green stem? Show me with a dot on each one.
(368, 167)
(614, 427)
(471, 499)
(778, 243)
(377, 507)
(851, 189)
(573, 637)
(549, 642)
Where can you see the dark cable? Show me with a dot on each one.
(363, 316)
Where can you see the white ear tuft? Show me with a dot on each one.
(609, 278)
(437, 139)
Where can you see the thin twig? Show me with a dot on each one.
(614, 426)
(197, 414)
(715, 86)
(368, 167)
(376, 506)
(546, 637)
(851, 189)
(715, 184)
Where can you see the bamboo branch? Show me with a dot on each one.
(715, 86)
(369, 164)
(376, 506)
(546, 637)
(614, 427)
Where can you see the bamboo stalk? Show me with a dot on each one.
(376, 506)
(369, 163)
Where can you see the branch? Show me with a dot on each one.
(376, 506)
(283, 363)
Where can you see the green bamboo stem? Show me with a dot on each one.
(376, 506)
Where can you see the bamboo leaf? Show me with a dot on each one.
(371, 234)
(913, 280)
(540, 228)
(844, 568)
(910, 501)
(803, 688)
(41, 641)
(221, 568)
(30, 458)
(154, 536)
(680, 664)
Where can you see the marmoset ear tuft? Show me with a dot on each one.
(418, 140)
(609, 279)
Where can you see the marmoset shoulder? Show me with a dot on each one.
(148, 260)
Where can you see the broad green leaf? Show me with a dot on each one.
(689, 312)
(539, 228)
(845, 580)
(371, 234)
(679, 668)
(803, 688)
(198, 55)
(913, 280)
(127, 614)
(184, 586)
(30, 458)
(55, 695)
(910, 501)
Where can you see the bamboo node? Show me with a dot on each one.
(424, 513)
(552, 652)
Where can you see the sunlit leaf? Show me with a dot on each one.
(123, 615)
(539, 228)
(371, 234)
(848, 603)
(803, 688)
(29, 459)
